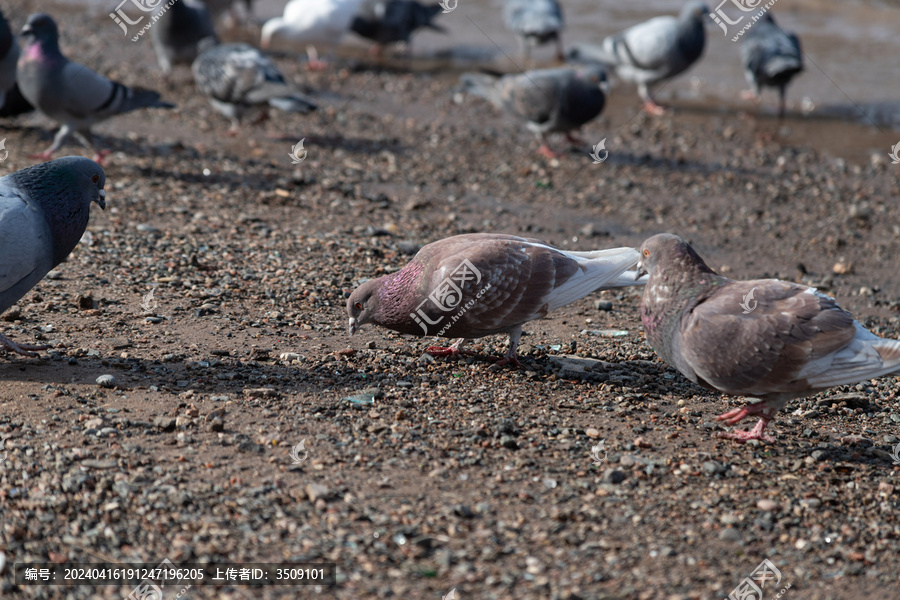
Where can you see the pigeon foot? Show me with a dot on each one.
(745, 436)
(750, 95)
(545, 150)
(100, 156)
(23, 349)
(440, 351)
(733, 416)
(654, 109)
(508, 360)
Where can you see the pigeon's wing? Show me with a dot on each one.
(768, 51)
(235, 73)
(649, 46)
(84, 91)
(26, 250)
(508, 280)
(534, 95)
(762, 343)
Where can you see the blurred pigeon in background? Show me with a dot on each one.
(536, 22)
(474, 285)
(652, 51)
(771, 58)
(236, 77)
(550, 100)
(218, 8)
(70, 93)
(44, 211)
(311, 22)
(389, 21)
(9, 56)
(180, 32)
(764, 338)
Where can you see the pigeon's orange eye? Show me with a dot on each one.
(95, 178)
(646, 252)
(358, 306)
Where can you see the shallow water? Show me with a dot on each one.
(846, 103)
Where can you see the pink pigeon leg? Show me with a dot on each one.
(23, 349)
(754, 434)
(451, 350)
(766, 414)
(313, 63)
(510, 357)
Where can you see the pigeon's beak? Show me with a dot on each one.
(641, 271)
(27, 29)
(101, 201)
(354, 325)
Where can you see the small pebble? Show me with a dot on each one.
(106, 381)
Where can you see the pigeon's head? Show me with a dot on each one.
(695, 11)
(82, 175)
(667, 252)
(595, 74)
(363, 304)
(40, 27)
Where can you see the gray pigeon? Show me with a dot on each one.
(389, 21)
(473, 285)
(70, 93)
(536, 22)
(236, 77)
(766, 339)
(549, 100)
(44, 211)
(652, 51)
(182, 31)
(9, 56)
(771, 58)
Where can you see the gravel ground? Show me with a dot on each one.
(427, 475)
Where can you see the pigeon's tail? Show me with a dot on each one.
(425, 17)
(481, 84)
(592, 53)
(783, 65)
(124, 99)
(597, 270)
(866, 356)
(293, 103)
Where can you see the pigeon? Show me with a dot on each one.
(68, 92)
(9, 56)
(652, 51)
(389, 21)
(181, 32)
(217, 8)
(765, 339)
(771, 58)
(311, 22)
(473, 285)
(549, 100)
(236, 77)
(536, 22)
(44, 211)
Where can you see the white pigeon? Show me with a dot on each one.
(311, 22)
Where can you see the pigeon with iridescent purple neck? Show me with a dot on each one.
(479, 284)
(766, 339)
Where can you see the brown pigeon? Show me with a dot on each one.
(473, 285)
(766, 339)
